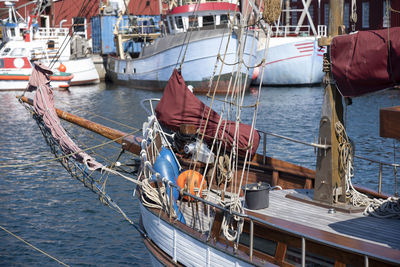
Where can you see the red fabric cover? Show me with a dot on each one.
(180, 106)
(361, 61)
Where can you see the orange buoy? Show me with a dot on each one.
(191, 180)
(62, 68)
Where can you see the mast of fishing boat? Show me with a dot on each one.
(330, 186)
(117, 32)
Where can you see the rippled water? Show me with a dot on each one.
(54, 212)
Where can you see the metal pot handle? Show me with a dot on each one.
(275, 187)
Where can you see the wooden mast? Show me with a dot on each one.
(329, 182)
(130, 143)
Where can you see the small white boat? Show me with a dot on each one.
(16, 71)
(52, 46)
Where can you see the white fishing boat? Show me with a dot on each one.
(194, 33)
(51, 46)
(210, 196)
(294, 57)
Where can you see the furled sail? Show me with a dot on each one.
(43, 103)
(366, 61)
(180, 106)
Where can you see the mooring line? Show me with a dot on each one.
(32, 246)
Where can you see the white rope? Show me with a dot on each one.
(229, 230)
(381, 208)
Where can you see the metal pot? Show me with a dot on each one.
(257, 195)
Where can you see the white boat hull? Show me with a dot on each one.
(292, 61)
(83, 70)
(181, 247)
(200, 64)
(14, 85)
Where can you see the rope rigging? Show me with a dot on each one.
(94, 180)
(388, 208)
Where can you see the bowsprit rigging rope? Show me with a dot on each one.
(81, 172)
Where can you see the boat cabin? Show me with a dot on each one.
(207, 16)
(32, 50)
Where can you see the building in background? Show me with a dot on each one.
(79, 12)
(371, 14)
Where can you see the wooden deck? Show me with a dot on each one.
(384, 232)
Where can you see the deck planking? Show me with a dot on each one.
(384, 232)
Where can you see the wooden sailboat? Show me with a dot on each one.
(204, 193)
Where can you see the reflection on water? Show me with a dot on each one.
(44, 205)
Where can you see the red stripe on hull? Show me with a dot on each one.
(287, 59)
(308, 43)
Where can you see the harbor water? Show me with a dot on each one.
(41, 203)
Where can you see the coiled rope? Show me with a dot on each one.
(382, 208)
(230, 231)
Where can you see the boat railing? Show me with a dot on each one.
(290, 30)
(193, 2)
(324, 146)
(316, 145)
(252, 219)
(51, 32)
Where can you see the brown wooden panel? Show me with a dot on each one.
(389, 122)
(280, 252)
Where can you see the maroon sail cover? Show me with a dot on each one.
(366, 61)
(180, 106)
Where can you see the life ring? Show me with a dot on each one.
(190, 181)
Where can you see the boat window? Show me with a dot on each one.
(294, 18)
(193, 22)
(346, 15)
(171, 23)
(365, 14)
(17, 52)
(326, 14)
(6, 51)
(293, 256)
(260, 244)
(179, 22)
(208, 20)
(224, 19)
(12, 32)
(386, 17)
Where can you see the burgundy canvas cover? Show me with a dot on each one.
(363, 62)
(180, 106)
